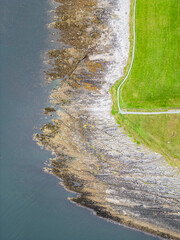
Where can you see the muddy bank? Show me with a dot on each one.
(117, 178)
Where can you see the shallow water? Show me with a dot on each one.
(33, 205)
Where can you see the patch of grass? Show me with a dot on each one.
(159, 132)
(154, 79)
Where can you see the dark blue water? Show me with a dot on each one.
(33, 205)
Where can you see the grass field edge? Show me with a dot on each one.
(114, 88)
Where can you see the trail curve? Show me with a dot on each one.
(124, 112)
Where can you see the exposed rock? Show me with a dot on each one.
(116, 177)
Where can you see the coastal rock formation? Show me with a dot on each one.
(115, 176)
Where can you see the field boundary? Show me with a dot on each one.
(121, 111)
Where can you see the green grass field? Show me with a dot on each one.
(160, 133)
(154, 81)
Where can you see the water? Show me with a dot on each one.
(33, 205)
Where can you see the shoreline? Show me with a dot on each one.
(93, 157)
(82, 201)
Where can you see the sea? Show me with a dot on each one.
(33, 204)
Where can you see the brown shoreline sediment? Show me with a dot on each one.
(115, 177)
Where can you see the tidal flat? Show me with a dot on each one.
(116, 177)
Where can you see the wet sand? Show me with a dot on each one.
(117, 178)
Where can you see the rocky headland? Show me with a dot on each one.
(118, 178)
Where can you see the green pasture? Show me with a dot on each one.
(154, 81)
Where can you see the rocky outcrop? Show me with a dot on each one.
(116, 177)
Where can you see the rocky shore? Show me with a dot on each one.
(118, 178)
